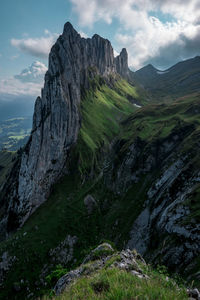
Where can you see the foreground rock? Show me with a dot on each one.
(101, 257)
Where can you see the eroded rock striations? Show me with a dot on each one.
(165, 229)
(72, 62)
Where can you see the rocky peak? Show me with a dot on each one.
(68, 28)
(121, 62)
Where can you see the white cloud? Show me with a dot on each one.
(143, 31)
(34, 73)
(13, 86)
(83, 34)
(37, 47)
(29, 82)
(115, 53)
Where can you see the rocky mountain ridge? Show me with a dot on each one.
(73, 62)
(177, 81)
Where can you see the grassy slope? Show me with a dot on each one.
(154, 122)
(158, 121)
(102, 110)
(112, 284)
(64, 213)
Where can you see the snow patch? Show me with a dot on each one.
(162, 72)
(139, 106)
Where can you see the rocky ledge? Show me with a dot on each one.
(105, 258)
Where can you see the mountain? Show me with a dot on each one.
(104, 162)
(179, 80)
(73, 63)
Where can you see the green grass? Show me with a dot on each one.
(102, 109)
(159, 121)
(115, 284)
(106, 115)
(64, 212)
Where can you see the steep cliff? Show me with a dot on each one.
(121, 62)
(73, 62)
(158, 154)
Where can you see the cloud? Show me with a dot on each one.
(147, 27)
(115, 53)
(161, 44)
(28, 83)
(83, 34)
(34, 73)
(37, 47)
(13, 86)
(183, 47)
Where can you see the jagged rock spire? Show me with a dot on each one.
(121, 62)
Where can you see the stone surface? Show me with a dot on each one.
(126, 260)
(161, 229)
(63, 253)
(90, 203)
(100, 251)
(194, 293)
(121, 62)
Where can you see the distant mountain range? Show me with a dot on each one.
(179, 80)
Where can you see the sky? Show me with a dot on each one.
(160, 32)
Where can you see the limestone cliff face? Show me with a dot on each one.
(56, 121)
(165, 229)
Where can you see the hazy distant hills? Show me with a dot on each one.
(14, 132)
(16, 106)
(179, 80)
(15, 120)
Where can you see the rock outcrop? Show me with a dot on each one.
(73, 61)
(126, 260)
(121, 62)
(165, 229)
